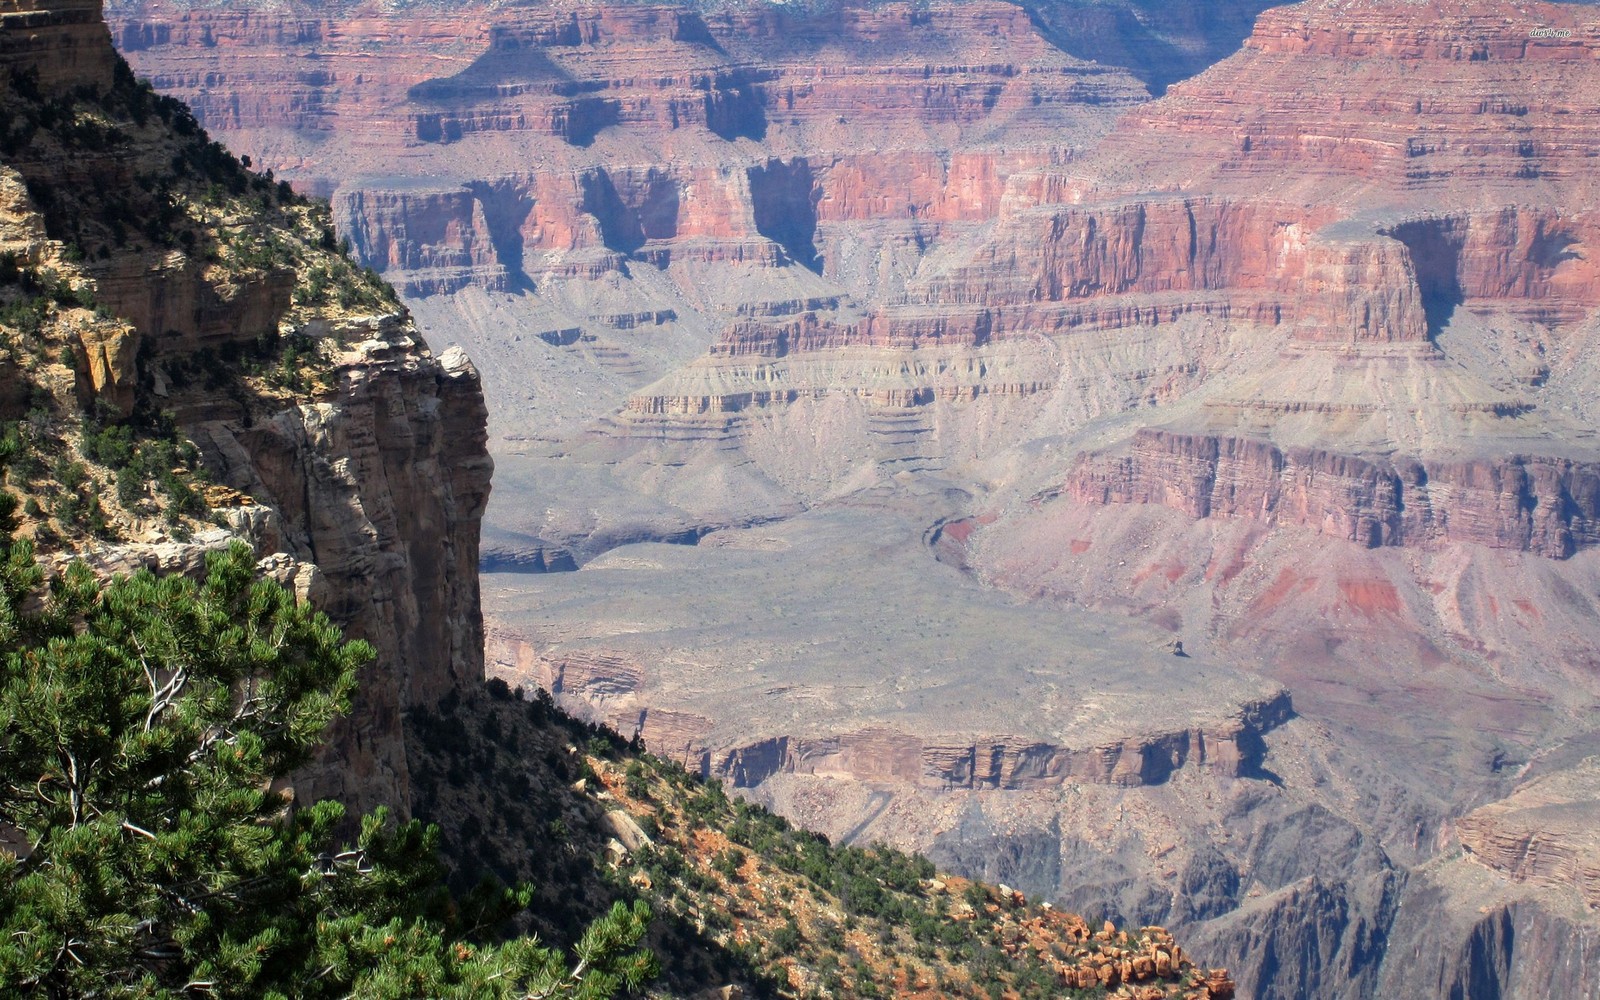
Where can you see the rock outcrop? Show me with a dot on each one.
(1543, 833)
(361, 484)
(1547, 506)
(378, 487)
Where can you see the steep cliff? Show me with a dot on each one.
(1531, 504)
(163, 302)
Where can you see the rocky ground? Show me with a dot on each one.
(741, 897)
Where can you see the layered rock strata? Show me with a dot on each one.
(1544, 833)
(364, 491)
(517, 77)
(1547, 506)
(1383, 220)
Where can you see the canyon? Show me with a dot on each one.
(191, 363)
(902, 389)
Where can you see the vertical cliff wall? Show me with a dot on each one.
(215, 304)
(63, 41)
(375, 489)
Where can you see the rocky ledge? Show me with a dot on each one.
(1540, 504)
(1547, 832)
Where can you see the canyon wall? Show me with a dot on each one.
(801, 86)
(1271, 336)
(363, 490)
(1530, 504)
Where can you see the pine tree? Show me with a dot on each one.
(144, 850)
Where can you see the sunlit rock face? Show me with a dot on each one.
(365, 494)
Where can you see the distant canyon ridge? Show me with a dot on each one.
(879, 394)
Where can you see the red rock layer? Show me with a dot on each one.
(1346, 282)
(440, 240)
(1149, 261)
(1548, 506)
(1449, 127)
(752, 122)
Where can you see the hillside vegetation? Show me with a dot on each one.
(740, 895)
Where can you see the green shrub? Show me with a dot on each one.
(151, 715)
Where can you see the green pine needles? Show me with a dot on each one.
(144, 850)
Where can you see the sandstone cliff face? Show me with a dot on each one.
(1530, 504)
(376, 488)
(363, 488)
